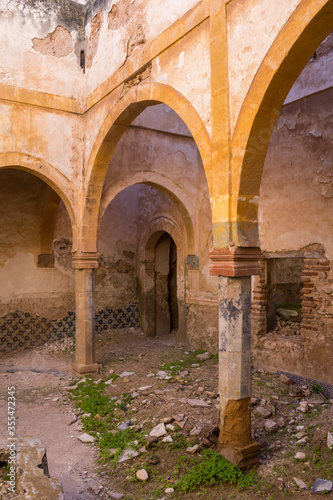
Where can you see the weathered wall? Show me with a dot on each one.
(42, 38)
(24, 286)
(252, 27)
(295, 215)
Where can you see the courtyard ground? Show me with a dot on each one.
(164, 384)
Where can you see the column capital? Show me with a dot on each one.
(235, 261)
(85, 260)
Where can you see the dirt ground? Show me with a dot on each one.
(45, 410)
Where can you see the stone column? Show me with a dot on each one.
(234, 267)
(84, 265)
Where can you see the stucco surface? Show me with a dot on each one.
(252, 27)
(296, 195)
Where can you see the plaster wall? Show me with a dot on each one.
(30, 45)
(44, 134)
(123, 29)
(294, 214)
(252, 27)
(317, 74)
(295, 210)
(179, 68)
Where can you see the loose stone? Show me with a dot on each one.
(301, 484)
(204, 356)
(197, 402)
(142, 475)
(321, 485)
(85, 438)
(262, 411)
(158, 431)
(270, 426)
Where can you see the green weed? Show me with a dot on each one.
(212, 470)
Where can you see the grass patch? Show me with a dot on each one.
(212, 470)
(101, 422)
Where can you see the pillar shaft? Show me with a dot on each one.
(235, 361)
(85, 314)
(234, 268)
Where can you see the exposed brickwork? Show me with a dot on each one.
(259, 302)
(317, 297)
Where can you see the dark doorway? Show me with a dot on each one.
(166, 306)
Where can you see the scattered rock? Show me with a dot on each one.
(281, 421)
(127, 454)
(170, 427)
(197, 402)
(303, 406)
(204, 356)
(161, 374)
(301, 484)
(85, 438)
(195, 431)
(126, 374)
(116, 496)
(142, 475)
(181, 424)
(169, 491)
(144, 388)
(300, 455)
(158, 431)
(143, 449)
(193, 449)
(283, 378)
(167, 439)
(124, 425)
(262, 411)
(168, 420)
(302, 441)
(329, 440)
(270, 426)
(321, 485)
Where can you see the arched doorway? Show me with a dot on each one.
(165, 277)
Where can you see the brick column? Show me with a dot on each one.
(234, 267)
(313, 274)
(259, 302)
(84, 265)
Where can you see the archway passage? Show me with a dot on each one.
(166, 306)
(36, 300)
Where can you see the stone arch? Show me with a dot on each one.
(50, 175)
(146, 258)
(120, 117)
(164, 184)
(310, 23)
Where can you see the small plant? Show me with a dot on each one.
(212, 470)
(316, 389)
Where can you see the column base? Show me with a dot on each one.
(81, 369)
(245, 458)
